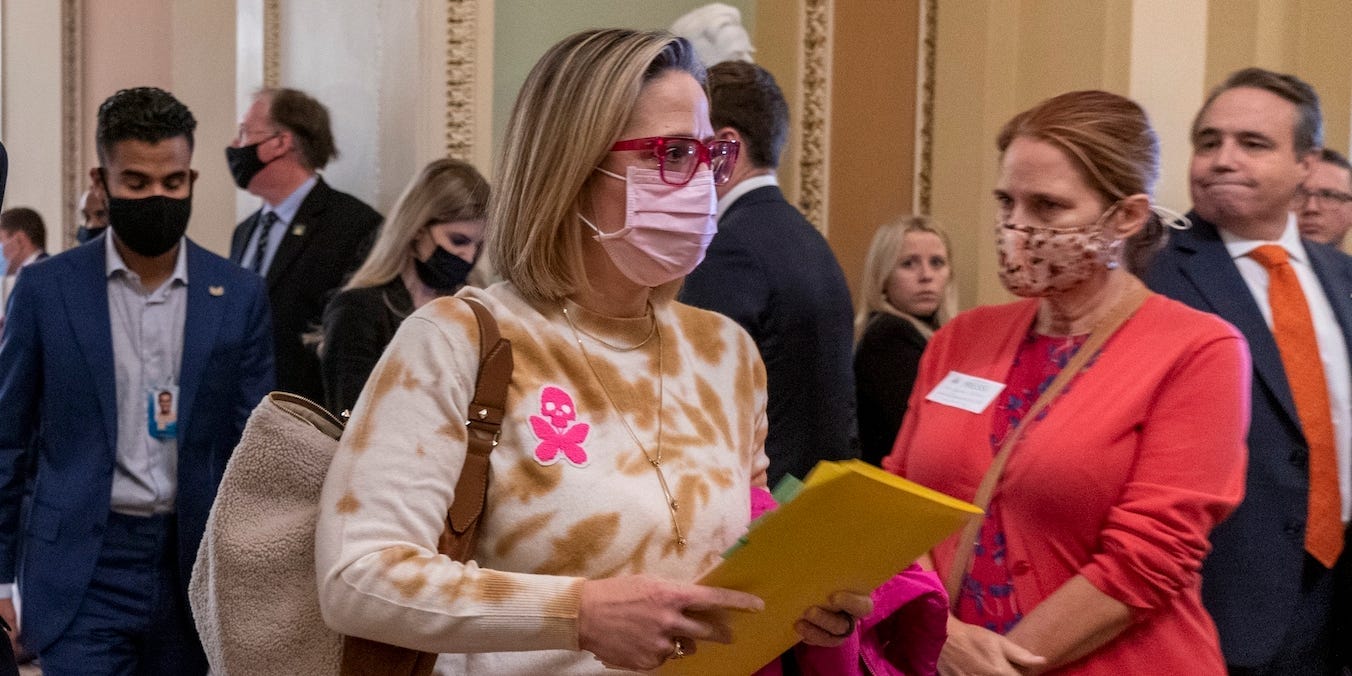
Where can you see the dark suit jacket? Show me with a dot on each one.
(772, 272)
(57, 377)
(358, 324)
(885, 366)
(1252, 579)
(326, 242)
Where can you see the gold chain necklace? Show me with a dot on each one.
(652, 330)
(655, 461)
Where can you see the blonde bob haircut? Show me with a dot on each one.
(445, 191)
(571, 109)
(883, 254)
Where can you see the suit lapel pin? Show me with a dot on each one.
(217, 291)
(298, 229)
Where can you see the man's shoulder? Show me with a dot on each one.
(85, 255)
(339, 203)
(363, 299)
(762, 202)
(1328, 254)
(1198, 235)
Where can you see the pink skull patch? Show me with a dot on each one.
(552, 427)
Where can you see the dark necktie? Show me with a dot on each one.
(1294, 330)
(269, 220)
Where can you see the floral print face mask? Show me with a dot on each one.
(1037, 261)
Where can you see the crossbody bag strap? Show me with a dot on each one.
(1131, 301)
(483, 424)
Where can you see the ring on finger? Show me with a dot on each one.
(851, 622)
(677, 649)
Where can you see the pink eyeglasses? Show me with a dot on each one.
(678, 157)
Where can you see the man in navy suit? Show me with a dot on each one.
(773, 273)
(97, 333)
(1254, 141)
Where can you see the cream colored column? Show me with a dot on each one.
(1168, 71)
(202, 68)
(976, 86)
(1321, 58)
(30, 123)
(250, 63)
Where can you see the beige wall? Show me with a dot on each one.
(381, 67)
(381, 70)
(872, 123)
(30, 109)
(999, 57)
(1308, 38)
(777, 25)
(124, 44)
(524, 29)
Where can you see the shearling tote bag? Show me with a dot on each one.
(253, 591)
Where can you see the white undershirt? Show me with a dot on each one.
(1328, 333)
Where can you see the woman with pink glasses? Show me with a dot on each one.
(635, 425)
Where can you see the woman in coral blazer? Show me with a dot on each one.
(1088, 559)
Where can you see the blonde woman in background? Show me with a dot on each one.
(425, 250)
(904, 296)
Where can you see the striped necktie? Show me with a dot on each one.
(269, 220)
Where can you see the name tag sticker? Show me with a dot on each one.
(968, 393)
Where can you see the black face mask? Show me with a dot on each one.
(150, 226)
(443, 270)
(84, 234)
(244, 163)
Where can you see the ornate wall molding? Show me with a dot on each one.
(929, 29)
(272, 43)
(816, 108)
(461, 28)
(72, 128)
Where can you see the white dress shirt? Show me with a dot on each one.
(743, 188)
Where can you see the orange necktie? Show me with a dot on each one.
(1294, 331)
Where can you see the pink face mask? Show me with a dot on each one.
(1038, 261)
(667, 228)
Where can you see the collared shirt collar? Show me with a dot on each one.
(113, 262)
(286, 210)
(1239, 247)
(743, 188)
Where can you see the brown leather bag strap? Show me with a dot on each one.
(483, 423)
(1132, 300)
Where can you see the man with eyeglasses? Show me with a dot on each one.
(772, 272)
(1323, 204)
(307, 237)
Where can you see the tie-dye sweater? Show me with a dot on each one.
(571, 496)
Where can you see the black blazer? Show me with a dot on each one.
(885, 366)
(772, 272)
(358, 324)
(1251, 581)
(327, 240)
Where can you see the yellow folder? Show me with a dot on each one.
(852, 526)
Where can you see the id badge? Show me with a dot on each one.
(162, 411)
